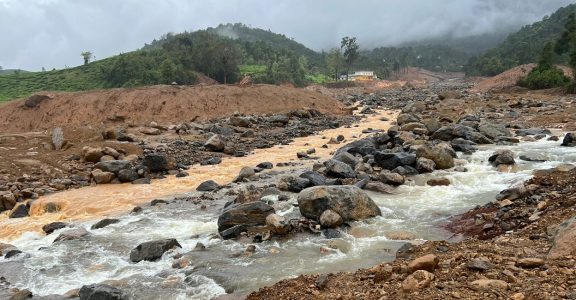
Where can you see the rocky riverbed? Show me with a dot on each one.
(340, 203)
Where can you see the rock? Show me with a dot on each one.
(493, 131)
(247, 214)
(479, 265)
(530, 262)
(428, 262)
(150, 131)
(211, 161)
(279, 119)
(92, 155)
(101, 292)
(216, 143)
(277, 224)
(330, 219)
(293, 184)
(51, 227)
(265, 165)
(502, 157)
(208, 186)
(532, 131)
(363, 147)
(7, 200)
(442, 181)
(512, 193)
(569, 140)
(103, 223)
(36, 99)
(315, 179)
(440, 155)
(406, 118)
(564, 240)
(489, 284)
(245, 173)
(388, 177)
(416, 281)
(347, 158)
(533, 157)
(425, 165)
(21, 295)
(142, 181)
(57, 138)
(20, 211)
(12, 253)
(151, 251)
(128, 175)
(379, 187)
(350, 202)
(240, 121)
(155, 162)
(72, 234)
(339, 169)
(390, 161)
(113, 166)
(101, 177)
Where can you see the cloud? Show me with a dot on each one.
(53, 33)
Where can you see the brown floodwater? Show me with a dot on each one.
(99, 201)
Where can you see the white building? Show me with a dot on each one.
(360, 76)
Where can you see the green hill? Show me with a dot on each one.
(11, 71)
(523, 46)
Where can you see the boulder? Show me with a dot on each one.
(265, 165)
(20, 211)
(425, 165)
(379, 187)
(416, 281)
(113, 166)
(21, 295)
(240, 121)
(72, 234)
(208, 186)
(427, 262)
(406, 118)
(443, 133)
(36, 99)
(347, 158)
(293, 184)
(489, 284)
(390, 161)
(564, 240)
(151, 251)
(350, 202)
(493, 131)
(569, 140)
(128, 175)
(315, 178)
(391, 178)
(247, 214)
(363, 147)
(440, 155)
(215, 143)
(502, 157)
(103, 223)
(245, 173)
(533, 131)
(155, 162)
(330, 219)
(277, 224)
(51, 227)
(339, 169)
(442, 181)
(533, 157)
(530, 262)
(101, 292)
(92, 155)
(101, 177)
(279, 119)
(7, 200)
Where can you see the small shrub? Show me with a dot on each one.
(544, 79)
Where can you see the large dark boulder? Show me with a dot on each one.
(569, 140)
(36, 99)
(151, 251)
(127, 175)
(315, 178)
(208, 186)
(350, 202)
(502, 157)
(101, 292)
(390, 161)
(492, 131)
(347, 158)
(20, 211)
(339, 169)
(155, 162)
(215, 143)
(51, 227)
(113, 166)
(103, 223)
(247, 214)
(363, 147)
(532, 131)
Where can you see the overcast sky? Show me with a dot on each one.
(53, 33)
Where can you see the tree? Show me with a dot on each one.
(350, 48)
(567, 44)
(545, 75)
(334, 61)
(87, 55)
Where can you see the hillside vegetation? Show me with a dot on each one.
(523, 46)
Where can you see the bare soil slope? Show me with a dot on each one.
(509, 78)
(164, 104)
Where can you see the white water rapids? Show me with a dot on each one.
(415, 207)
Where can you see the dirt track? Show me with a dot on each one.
(164, 104)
